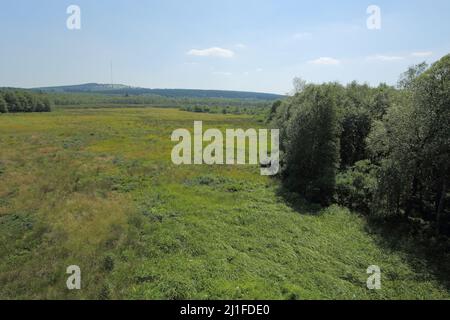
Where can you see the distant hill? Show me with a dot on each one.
(170, 93)
(86, 87)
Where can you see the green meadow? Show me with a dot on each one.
(96, 188)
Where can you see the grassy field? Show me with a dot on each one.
(96, 188)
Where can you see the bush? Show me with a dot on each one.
(356, 187)
(108, 263)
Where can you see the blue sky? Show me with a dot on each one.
(252, 45)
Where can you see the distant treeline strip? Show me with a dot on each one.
(122, 90)
(23, 101)
(73, 99)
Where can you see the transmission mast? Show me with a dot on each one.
(112, 83)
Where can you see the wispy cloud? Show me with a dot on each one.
(384, 58)
(240, 46)
(422, 54)
(302, 36)
(211, 52)
(325, 61)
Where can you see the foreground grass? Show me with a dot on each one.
(96, 188)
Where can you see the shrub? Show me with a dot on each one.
(356, 187)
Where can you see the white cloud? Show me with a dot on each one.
(240, 46)
(302, 36)
(259, 70)
(422, 54)
(385, 58)
(211, 52)
(325, 61)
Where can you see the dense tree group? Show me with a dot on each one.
(23, 101)
(383, 151)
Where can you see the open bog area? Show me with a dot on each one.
(97, 188)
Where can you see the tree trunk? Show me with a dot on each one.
(441, 204)
(412, 197)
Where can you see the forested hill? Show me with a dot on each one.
(169, 93)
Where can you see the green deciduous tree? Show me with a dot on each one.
(3, 105)
(25, 101)
(11, 101)
(311, 144)
(412, 145)
(355, 129)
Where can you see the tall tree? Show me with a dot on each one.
(12, 101)
(3, 105)
(312, 143)
(412, 143)
(431, 93)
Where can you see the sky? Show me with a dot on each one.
(247, 45)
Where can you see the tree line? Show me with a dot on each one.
(23, 101)
(92, 99)
(381, 151)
